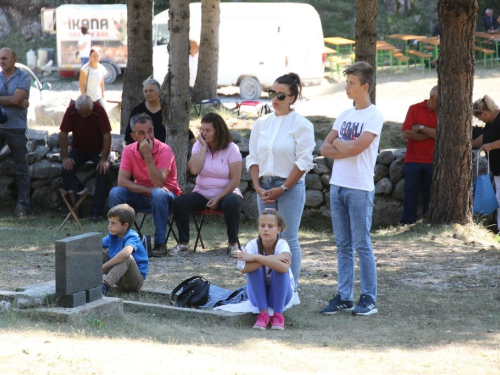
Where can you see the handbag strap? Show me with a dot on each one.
(87, 81)
(477, 162)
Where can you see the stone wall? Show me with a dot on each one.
(45, 169)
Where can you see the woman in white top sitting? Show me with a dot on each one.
(92, 78)
(281, 146)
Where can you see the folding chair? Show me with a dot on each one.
(198, 105)
(145, 212)
(203, 214)
(251, 103)
(73, 207)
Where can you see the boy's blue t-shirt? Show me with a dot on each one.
(115, 244)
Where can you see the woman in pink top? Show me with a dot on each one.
(217, 162)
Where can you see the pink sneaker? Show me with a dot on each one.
(278, 322)
(263, 320)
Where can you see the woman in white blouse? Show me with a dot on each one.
(92, 78)
(281, 146)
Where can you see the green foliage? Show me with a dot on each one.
(17, 42)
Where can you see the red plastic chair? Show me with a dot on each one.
(251, 103)
(204, 214)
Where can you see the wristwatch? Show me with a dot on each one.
(285, 189)
(420, 128)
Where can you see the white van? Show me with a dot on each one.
(258, 42)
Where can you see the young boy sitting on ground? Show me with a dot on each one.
(125, 264)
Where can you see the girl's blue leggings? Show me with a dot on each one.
(276, 295)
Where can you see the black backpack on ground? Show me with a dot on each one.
(194, 292)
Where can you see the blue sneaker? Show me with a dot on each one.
(104, 289)
(336, 305)
(366, 306)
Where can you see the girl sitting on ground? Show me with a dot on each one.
(267, 267)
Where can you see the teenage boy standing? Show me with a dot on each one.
(353, 143)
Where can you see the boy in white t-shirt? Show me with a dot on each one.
(353, 143)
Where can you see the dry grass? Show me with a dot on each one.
(438, 301)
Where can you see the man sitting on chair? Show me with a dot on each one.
(152, 163)
(91, 130)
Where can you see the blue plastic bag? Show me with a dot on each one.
(485, 200)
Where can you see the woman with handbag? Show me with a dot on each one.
(281, 147)
(152, 107)
(92, 78)
(486, 110)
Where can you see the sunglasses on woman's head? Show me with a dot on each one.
(280, 95)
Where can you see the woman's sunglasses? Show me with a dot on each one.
(476, 112)
(280, 95)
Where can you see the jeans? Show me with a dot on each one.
(276, 295)
(159, 202)
(101, 185)
(17, 140)
(192, 202)
(290, 205)
(125, 275)
(84, 60)
(352, 219)
(416, 175)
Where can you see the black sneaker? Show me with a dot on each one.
(366, 306)
(336, 305)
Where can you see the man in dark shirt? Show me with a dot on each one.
(91, 130)
(490, 24)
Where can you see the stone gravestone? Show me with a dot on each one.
(79, 270)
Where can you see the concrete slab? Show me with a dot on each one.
(34, 295)
(172, 312)
(106, 308)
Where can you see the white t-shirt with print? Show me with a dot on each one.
(281, 247)
(356, 172)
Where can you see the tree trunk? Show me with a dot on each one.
(205, 86)
(366, 34)
(140, 55)
(175, 88)
(451, 200)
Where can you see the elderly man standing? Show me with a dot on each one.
(14, 94)
(152, 163)
(419, 129)
(91, 130)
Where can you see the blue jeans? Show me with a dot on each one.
(416, 175)
(352, 219)
(84, 60)
(101, 185)
(276, 295)
(17, 140)
(290, 205)
(159, 202)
